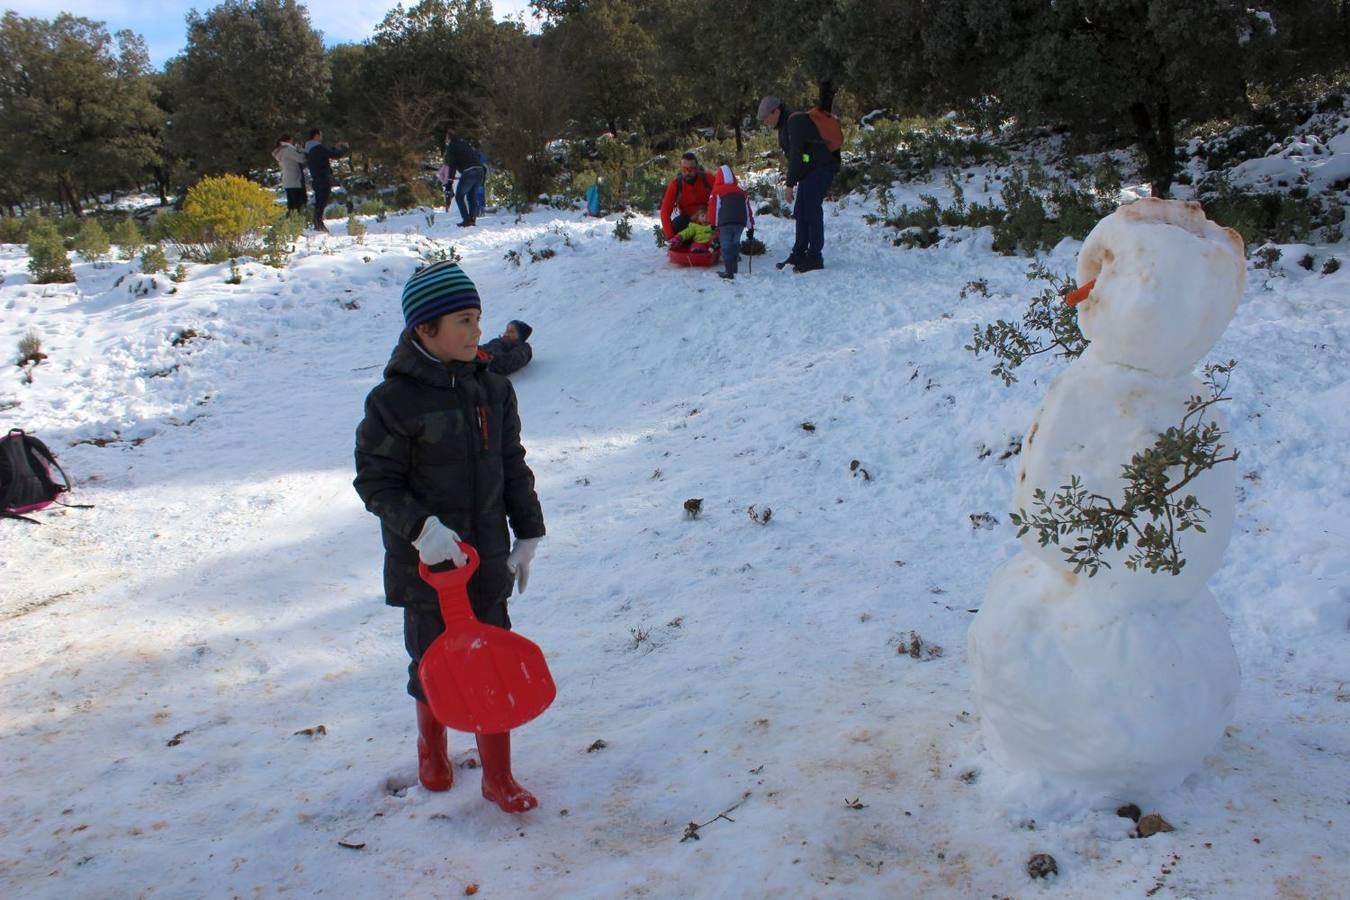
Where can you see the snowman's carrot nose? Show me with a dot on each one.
(1073, 298)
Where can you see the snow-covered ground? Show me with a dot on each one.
(169, 655)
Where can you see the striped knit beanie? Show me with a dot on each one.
(436, 290)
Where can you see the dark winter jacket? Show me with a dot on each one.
(320, 157)
(443, 439)
(504, 358)
(729, 204)
(802, 146)
(460, 156)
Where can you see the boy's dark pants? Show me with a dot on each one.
(730, 236)
(809, 212)
(423, 624)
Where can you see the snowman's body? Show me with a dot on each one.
(1122, 681)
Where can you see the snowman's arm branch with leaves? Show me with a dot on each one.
(1101, 525)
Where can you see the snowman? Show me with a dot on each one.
(1123, 681)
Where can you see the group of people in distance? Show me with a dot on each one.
(706, 213)
(702, 213)
(439, 459)
(317, 157)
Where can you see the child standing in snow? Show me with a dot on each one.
(439, 461)
(729, 212)
(511, 351)
(697, 234)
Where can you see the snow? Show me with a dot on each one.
(170, 654)
(1307, 160)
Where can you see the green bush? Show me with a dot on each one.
(280, 239)
(623, 229)
(916, 146)
(224, 217)
(371, 207)
(427, 194)
(153, 259)
(128, 238)
(48, 261)
(356, 228)
(69, 226)
(1269, 217)
(410, 195)
(1024, 226)
(12, 230)
(92, 241)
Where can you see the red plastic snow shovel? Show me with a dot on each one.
(478, 677)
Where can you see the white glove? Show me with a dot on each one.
(437, 543)
(519, 561)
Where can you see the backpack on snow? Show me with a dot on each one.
(827, 126)
(26, 482)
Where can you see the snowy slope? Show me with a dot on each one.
(162, 650)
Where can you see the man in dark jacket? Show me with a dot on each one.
(511, 352)
(462, 157)
(320, 157)
(811, 168)
(439, 460)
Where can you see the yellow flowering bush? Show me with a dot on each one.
(224, 217)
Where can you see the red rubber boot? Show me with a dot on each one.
(433, 757)
(499, 785)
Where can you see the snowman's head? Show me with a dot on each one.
(1168, 281)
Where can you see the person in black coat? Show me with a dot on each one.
(439, 460)
(511, 351)
(462, 157)
(320, 157)
(811, 168)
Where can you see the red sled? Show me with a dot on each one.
(685, 257)
(478, 677)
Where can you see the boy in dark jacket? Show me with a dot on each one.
(729, 212)
(439, 461)
(510, 352)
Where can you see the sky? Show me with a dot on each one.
(162, 24)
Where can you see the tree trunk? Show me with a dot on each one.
(827, 91)
(1155, 135)
(68, 194)
(740, 139)
(162, 184)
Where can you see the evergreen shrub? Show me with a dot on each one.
(48, 261)
(128, 238)
(12, 230)
(154, 260)
(92, 241)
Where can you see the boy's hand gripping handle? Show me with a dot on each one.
(452, 586)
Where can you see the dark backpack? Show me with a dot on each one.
(26, 482)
